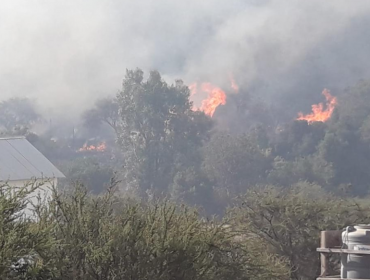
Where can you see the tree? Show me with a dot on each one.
(353, 108)
(76, 235)
(105, 112)
(288, 221)
(235, 162)
(89, 171)
(297, 139)
(242, 112)
(158, 131)
(17, 115)
(345, 145)
(107, 237)
(313, 169)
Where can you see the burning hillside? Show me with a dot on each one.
(319, 112)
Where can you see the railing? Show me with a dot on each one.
(331, 243)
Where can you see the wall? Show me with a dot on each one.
(43, 191)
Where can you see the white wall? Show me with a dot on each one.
(43, 191)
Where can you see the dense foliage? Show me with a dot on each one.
(78, 236)
(159, 133)
(292, 179)
(288, 221)
(270, 233)
(158, 145)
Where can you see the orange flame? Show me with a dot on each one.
(319, 114)
(216, 97)
(99, 148)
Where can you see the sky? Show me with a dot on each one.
(66, 54)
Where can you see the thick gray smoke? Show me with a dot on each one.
(67, 53)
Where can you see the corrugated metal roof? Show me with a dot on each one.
(20, 160)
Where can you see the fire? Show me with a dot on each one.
(319, 114)
(216, 97)
(99, 148)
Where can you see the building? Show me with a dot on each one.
(21, 164)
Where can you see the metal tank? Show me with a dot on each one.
(353, 265)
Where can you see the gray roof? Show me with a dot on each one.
(20, 160)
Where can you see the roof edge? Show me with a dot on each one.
(31, 179)
(10, 138)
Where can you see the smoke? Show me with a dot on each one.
(68, 53)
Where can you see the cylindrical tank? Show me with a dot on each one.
(353, 265)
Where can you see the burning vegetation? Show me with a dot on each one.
(163, 147)
(319, 112)
(215, 95)
(101, 147)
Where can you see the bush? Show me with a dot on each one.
(288, 222)
(88, 171)
(106, 237)
(19, 243)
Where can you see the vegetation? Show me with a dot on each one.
(160, 146)
(159, 133)
(270, 233)
(78, 236)
(292, 179)
(287, 221)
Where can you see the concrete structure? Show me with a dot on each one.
(21, 164)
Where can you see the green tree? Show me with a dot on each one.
(311, 168)
(288, 222)
(298, 139)
(235, 162)
(345, 145)
(107, 237)
(158, 132)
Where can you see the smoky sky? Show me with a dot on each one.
(65, 54)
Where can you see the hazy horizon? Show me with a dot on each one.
(67, 54)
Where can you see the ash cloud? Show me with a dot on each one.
(66, 54)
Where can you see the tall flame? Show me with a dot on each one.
(319, 114)
(216, 97)
(99, 148)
